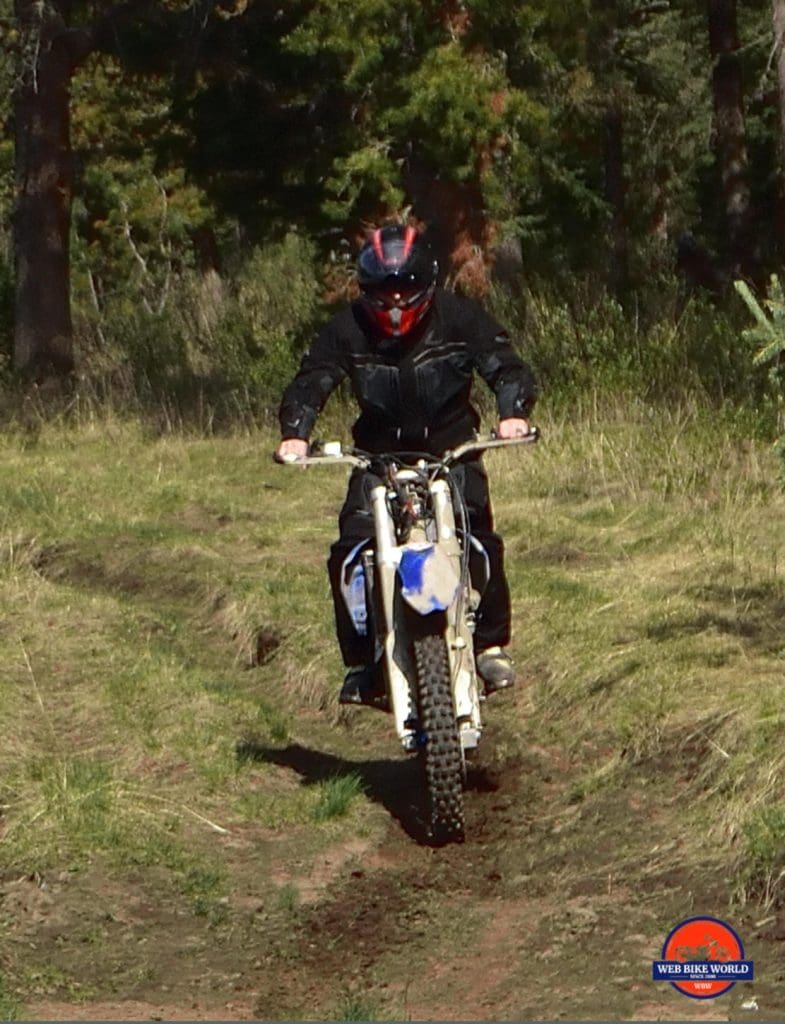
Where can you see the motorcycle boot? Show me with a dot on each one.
(361, 685)
(495, 668)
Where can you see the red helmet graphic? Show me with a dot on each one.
(397, 277)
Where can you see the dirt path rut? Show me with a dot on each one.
(553, 908)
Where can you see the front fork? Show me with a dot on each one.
(396, 651)
(388, 557)
(460, 623)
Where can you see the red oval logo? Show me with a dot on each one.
(704, 941)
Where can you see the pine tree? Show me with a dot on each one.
(53, 39)
(730, 139)
(431, 122)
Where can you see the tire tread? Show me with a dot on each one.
(441, 750)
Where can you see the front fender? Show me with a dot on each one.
(430, 580)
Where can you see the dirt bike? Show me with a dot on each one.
(415, 587)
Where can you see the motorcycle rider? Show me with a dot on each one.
(409, 350)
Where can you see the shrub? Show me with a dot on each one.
(278, 305)
(589, 342)
(768, 334)
(233, 345)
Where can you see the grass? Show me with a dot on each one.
(135, 598)
(762, 874)
(356, 1007)
(166, 625)
(288, 899)
(336, 795)
(650, 596)
(9, 1007)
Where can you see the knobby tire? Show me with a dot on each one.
(440, 750)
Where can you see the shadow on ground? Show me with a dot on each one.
(395, 784)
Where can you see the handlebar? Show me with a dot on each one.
(491, 441)
(333, 453)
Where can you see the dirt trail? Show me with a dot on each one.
(551, 909)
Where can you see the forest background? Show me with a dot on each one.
(183, 185)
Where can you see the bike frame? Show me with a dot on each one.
(459, 628)
(383, 566)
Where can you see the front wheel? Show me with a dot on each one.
(440, 742)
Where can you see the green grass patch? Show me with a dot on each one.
(336, 796)
(9, 1006)
(288, 899)
(761, 875)
(356, 1006)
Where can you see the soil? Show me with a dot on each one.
(552, 908)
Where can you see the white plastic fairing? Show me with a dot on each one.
(353, 587)
(429, 577)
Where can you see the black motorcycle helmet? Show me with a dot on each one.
(397, 276)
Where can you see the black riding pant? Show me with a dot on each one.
(356, 524)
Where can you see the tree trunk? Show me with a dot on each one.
(730, 141)
(43, 332)
(616, 197)
(778, 19)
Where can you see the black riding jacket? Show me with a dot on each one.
(413, 392)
